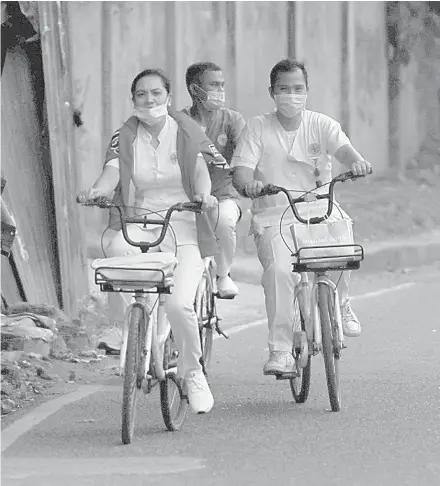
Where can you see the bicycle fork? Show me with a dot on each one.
(334, 314)
(308, 302)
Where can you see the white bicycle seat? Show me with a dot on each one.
(149, 268)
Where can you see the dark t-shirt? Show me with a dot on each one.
(223, 130)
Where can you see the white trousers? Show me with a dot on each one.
(179, 305)
(279, 284)
(224, 221)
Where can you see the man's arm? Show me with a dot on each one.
(339, 145)
(352, 159)
(237, 126)
(243, 181)
(247, 154)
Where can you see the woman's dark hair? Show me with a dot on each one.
(287, 66)
(151, 72)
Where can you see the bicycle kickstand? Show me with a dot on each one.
(219, 330)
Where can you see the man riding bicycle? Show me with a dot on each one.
(205, 83)
(291, 147)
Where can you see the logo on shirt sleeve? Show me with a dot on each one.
(214, 150)
(174, 158)
(114, 143)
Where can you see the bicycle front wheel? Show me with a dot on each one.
(300, 385)
(331, 358)
(206, 315)
(174, 407)
(132, 369)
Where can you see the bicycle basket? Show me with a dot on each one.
(138, 272)
(326, 245)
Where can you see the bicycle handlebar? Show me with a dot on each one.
(271, 189)
(104, 203)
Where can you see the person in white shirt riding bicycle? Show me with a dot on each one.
(206, 85)
(156, 159)
(290, 147)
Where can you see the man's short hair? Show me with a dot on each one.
(196, 70)
(287, 66)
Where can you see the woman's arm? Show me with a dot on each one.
(107, 181)
(104, 185)
(202, 182)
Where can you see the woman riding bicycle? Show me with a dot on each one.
(156, 159)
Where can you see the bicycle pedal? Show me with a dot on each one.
(224, 297)
(286, 376)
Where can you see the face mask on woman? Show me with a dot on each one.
(290, 105)
(151, 116)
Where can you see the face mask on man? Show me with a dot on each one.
(212, 100)
(151, 116)
(290, 105)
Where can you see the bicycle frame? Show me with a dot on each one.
(158, 329)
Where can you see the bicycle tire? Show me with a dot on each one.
(300, 386)
(132, 365)
(331, 362)
(206, 313)
(169, 392)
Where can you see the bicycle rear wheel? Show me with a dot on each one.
(133, 361)
(331, 358)
(174, 408)
(206, 315)
(300, 385)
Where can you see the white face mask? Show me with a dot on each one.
(151, 116)
(212, 100)
(290, 105)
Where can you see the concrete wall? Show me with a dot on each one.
(419, 98)
(367, 73)
(342, 43)
(261, 41)
(318, 39)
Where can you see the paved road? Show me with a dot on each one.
(387, 434)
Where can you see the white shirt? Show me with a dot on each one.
(267, 148)
(157, 179)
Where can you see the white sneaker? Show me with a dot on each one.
(198, 391)
(279, 362)
(226, 287)
(351, 326)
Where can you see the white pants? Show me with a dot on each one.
(279, 284)
(179, 305)
(224, 220)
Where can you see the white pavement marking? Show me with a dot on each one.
(41, 469)
(23, 425)
(376, 293)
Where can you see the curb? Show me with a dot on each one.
(384, 256)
